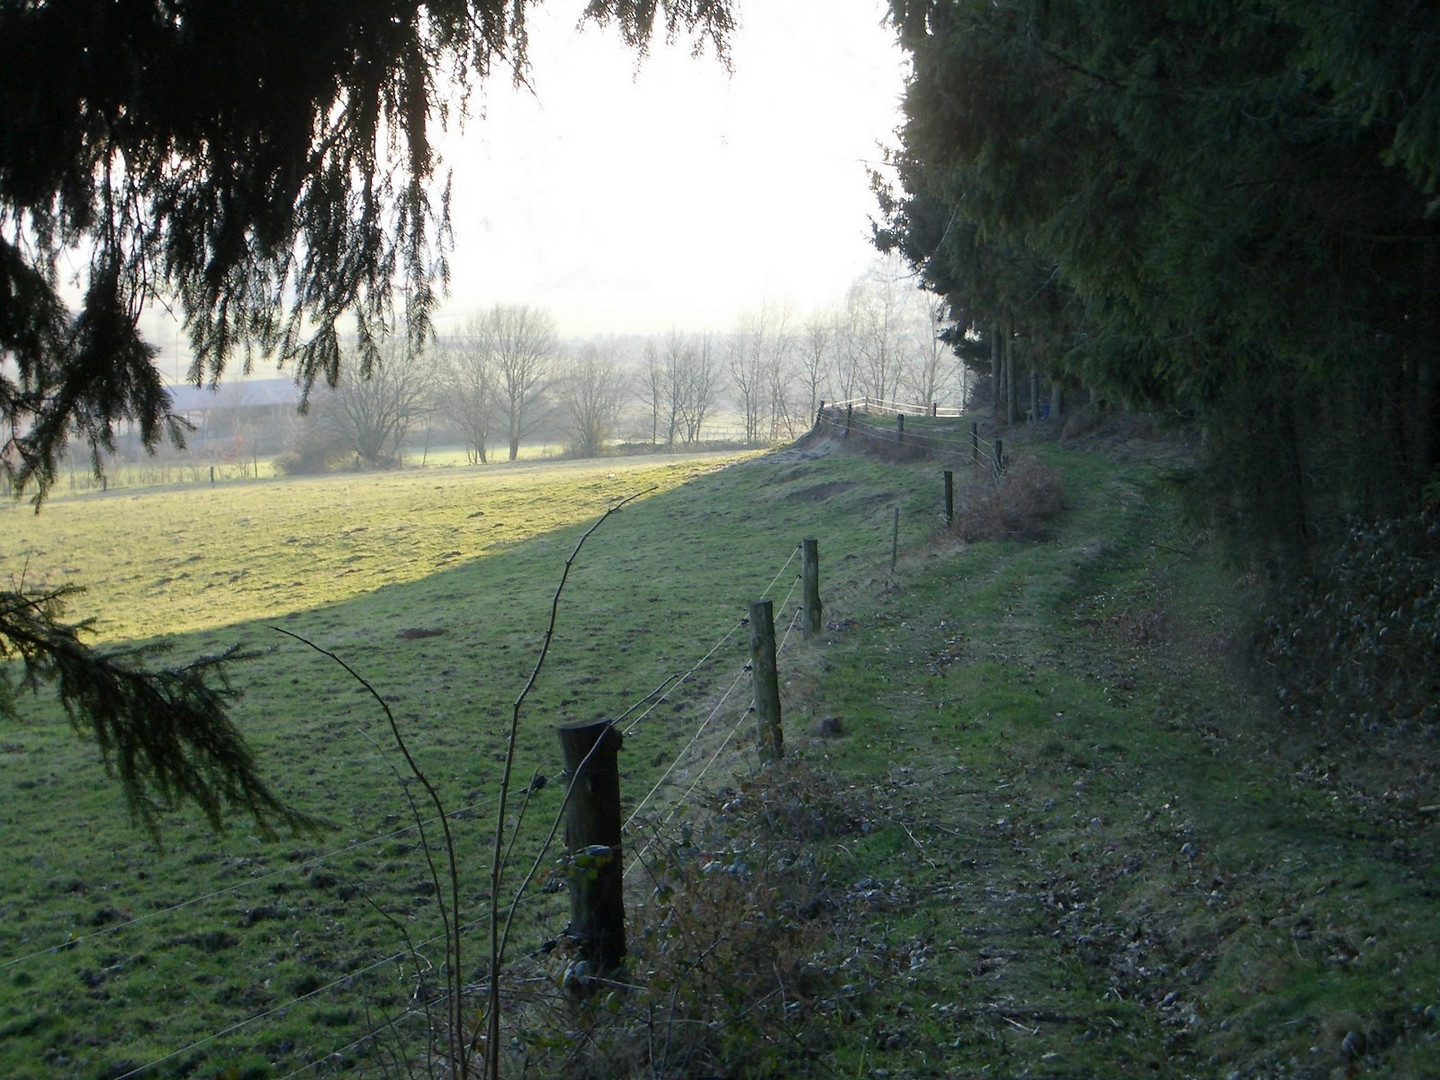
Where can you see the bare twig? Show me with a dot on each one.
(492, 1050)
(452, 926)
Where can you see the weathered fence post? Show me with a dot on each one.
(767, 680)
(999, 457)
(591, 751)
(949, 497)
(900, 429)
(934, 409)
(975, 442)
(849, 415)
(820, 414)
(212, 474)
(810, 586)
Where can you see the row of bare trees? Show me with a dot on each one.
(505, 376)
(882, 342)
(493, 375)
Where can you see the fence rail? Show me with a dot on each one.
(882, 407)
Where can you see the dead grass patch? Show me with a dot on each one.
(1022, 504)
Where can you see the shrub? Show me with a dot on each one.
(1020, 505)
(316, 449)
(729, 946)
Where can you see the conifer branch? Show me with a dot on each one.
(164, 732)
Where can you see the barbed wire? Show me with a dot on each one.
(980, 448)
(678, 680)
(685, 749)
(715, 710)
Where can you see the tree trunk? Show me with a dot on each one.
(1012, 392)
(996, 380)
(1424, 412)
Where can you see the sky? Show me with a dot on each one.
(632, 195)
(636, 195)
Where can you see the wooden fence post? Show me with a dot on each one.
(767, 680)
(820, 414)
(900, 429)
(934, 409)
(810, 586)
(999, 457)
(949, 497)
(592, 838)
(975, 442)
(849, 415)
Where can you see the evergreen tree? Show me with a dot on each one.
(266, 166)
(1220, 210)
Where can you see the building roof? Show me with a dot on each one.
(239, 394)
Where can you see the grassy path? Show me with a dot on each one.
(1086, 851)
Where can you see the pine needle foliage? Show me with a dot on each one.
(266, 169)
(163, 732)
(1223, 213)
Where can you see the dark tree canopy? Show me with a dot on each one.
(1222, 210)
(265, 167)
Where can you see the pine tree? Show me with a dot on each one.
(1220, 211)
(266, 167)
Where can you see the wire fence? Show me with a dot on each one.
(843, 421)
(708, 750)
(883, 407)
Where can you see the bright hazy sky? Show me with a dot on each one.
(634, 196)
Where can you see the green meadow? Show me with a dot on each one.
(435, 585)
(1034, 818)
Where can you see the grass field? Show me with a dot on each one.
(1043, 830)
(435, 585)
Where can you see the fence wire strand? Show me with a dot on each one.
(657, 696)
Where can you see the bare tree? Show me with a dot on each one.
(849, 352)
(758, 354)
(931, 376)
(653, 385)
(373, 413)
(524, 349)
(885, 321)
(467, 387)
(590, 391)
(701, 381)
(814, 352)
(747, 376)
(680, 382)
(674, 379)
(779, 375)
(877, 318)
